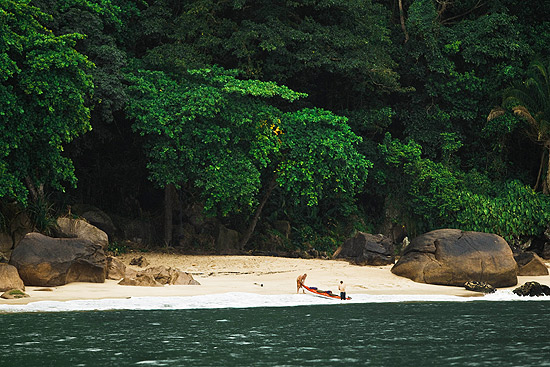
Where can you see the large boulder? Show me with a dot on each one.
(9, 278)
(227, 241)
(49, 262)
(97, 218)
(530, 264)
(81, 229)
(367, 249)
(454, 257)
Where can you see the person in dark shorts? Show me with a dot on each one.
(342, 289)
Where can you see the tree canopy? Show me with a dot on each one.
(44, 87)
(333, 116)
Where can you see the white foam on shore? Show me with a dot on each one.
(242, 300)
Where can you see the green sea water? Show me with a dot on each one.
(366, 334)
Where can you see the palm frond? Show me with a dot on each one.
(524, 113)
(496, 112)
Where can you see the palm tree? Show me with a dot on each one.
(530, 101)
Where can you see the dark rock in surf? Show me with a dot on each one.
(532, 289)
(479, 287)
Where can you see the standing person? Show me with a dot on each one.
(342, 289)
(300, 282)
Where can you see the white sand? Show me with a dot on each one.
(253, 274)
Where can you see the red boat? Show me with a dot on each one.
(323, 294)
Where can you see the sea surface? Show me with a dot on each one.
(239, 329)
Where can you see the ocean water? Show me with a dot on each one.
(238, 329)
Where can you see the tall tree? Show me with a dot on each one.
(222, 136)
(530, 101)
(44, 86)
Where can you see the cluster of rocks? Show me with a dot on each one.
(43, 261)
(532, 289)
(478, 261)
(148, 277)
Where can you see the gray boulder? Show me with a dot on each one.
(367, 249)
(81, 229)
(530, 264)
(454, 257)
(9, 278)
(49, 262)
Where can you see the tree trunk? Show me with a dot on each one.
(540, 170)
(402, 19)
(546, 184)
(168, 210)
(256, 217)
(36, 193)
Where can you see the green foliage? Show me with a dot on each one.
(116, 249)
(210, 129)
(315, 46)
(437, 197)
(530, 100)
(43, 86)
(512, 211)
(42, 215)
(205, 130)
(320, 157)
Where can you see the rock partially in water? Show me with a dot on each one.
(482, 287)
(532, 289)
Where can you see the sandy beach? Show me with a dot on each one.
(252, 274)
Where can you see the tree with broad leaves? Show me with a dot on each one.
(219, 134)
(44, 86)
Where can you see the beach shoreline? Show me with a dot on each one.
(267, 275)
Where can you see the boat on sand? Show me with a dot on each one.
(314, 291)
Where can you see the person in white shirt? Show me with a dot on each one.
(342, 289)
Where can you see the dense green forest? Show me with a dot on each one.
(332, 116)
